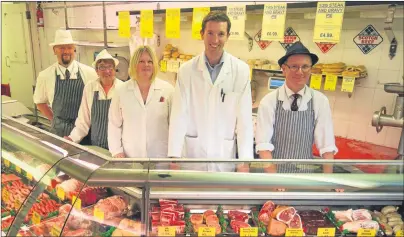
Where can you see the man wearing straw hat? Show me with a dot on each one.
(59, 87)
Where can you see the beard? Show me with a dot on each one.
(66, 61)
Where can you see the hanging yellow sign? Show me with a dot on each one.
(328, 24)
(237, 18)
(197, 17)
(348, 84)
(173, 23)
(330, 82)
(146, 23)
(273, 22)
(315, 81)
(124, 24)
(163, 65)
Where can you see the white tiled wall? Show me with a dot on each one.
(352, 116)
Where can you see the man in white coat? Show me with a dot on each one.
(59, 88)
(212, 106)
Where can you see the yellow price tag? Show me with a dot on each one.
(163, 65)
(55, 231)
(60, 193)
(207, 231)
(18, 169)
(5, 195)
(146, 23)
(36, 218)
(98, 214)
(326, 232)
(328, 23)
(166, 231)
(251, 231)
(76, 202)
(400, 233)
(124, 24)
(348, 84)
(29, 176)
(175, 66)
(237, 15)
(330, 82)
(173, 23)
(197, 17)
(294, 232)
(315, 81)
(7, 163)
(17, 204)
(366, 233)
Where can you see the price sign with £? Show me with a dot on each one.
(206, 231)
(326, 232)
(328, 24)
(248, 232)
(273, 22)
(348, 84)
(166, 231)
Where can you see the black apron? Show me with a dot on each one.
(66, 104)
(99, 121)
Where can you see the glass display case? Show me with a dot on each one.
(64, 189)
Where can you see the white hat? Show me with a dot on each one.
(63, 37)
(105, 55)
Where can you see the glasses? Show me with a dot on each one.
(294, 68)
(104, 68)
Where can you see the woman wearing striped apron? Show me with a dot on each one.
(294, 117)
(95, 103)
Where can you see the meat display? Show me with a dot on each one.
(284, 214)
(266, 212)
(236, 225)
(70, 187)
(112, 206)
(390, 220)
(276, 228)
(44, 207)
(354, 226)
(17, 192)
(237, 216)
(5, 178)
(312, 220)
(361, 215)
(91, 195)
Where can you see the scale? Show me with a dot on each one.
(275, 82)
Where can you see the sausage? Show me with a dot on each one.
(393, 214)
(389, 209)
(395, 223)
(394, 219)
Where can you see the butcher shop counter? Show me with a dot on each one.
(65, 189)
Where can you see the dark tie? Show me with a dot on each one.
(67, 74)
(294, 106)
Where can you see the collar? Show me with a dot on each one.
(221, 61)
(73, 69)
(289, 92)
(100, 85)
(132, 84)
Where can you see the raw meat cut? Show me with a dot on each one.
(354, 226)
(217, 227)
(266, 212)
(196, 219)
(284, 214)
(211, 220)
(344, 216)
(165, 202)
(268, 206)
(237, 216)
(296, 222)
(236, 225)
(90, 195)
(276, 228)
(71, 185)
(112, 206)
(361, 215)
(312, 220)
(208, 213)
(65, 209)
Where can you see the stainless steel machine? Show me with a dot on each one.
(380, 118)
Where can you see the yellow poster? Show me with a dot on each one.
(124, 24)
(348, 84)
(166, 231)
(197, 17)
(163, 66)
(146, 23)
(273, 22)
(326, 232)
(330, 82)
(328, 24)
(173, 23)
(237, 18)
(315, 81)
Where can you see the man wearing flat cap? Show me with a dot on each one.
(59, 87)
(294, 117)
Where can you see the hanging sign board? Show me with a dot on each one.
(237, 18)
(173, 23)
(273, 21)
(146, 23)
(328, 24)
(197, 17)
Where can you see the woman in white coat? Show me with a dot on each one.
(139, 113)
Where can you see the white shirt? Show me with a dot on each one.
(323, 131)
(45, 83)
(83, 121)
(137, 129)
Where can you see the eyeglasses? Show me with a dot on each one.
(294, 68)
(104, 68)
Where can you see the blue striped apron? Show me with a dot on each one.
(99, 121)
(66, 104)
(293, 137)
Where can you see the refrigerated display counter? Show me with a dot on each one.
(64, 189)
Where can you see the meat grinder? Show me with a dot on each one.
(380, 118)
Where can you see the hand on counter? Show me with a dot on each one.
(120, 155)
(67, 138)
